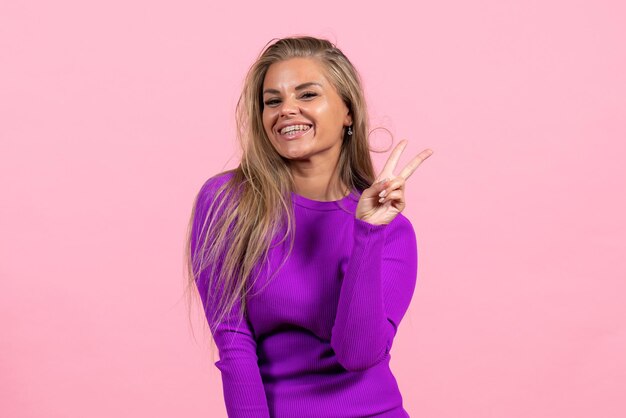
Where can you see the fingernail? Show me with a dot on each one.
(383, 193)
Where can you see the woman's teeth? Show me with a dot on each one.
(293, 128)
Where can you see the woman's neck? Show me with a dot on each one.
(321, 187)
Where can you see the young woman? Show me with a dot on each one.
(303, 262)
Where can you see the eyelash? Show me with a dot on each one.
(271, 102)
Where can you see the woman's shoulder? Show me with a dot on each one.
(209, 190)
(216, 181)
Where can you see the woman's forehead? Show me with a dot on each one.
(291, 73)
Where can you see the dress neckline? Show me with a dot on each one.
(324, 205)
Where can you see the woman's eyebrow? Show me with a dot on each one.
(298, 87)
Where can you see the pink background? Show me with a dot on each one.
(112, 115)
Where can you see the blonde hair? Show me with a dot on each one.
(255, 202)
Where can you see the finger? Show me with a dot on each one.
(396, 183)
(376, 188)
(414, 163)
(391, 163)
(396, 195)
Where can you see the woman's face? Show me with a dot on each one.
(303, 115)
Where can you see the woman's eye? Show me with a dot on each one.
(309, 95)
(271, 102)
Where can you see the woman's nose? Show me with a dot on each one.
(289, 107)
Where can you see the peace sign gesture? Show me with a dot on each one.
(382, 201)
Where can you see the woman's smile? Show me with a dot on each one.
(294, 131)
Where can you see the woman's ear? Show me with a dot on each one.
(347, 121)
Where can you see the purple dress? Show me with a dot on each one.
(316, 341)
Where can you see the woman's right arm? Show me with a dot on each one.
(244, 394)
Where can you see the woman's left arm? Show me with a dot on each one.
(376, 291)
(380, 277)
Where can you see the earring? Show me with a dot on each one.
(350, 130)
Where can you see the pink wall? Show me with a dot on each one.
(113, 114)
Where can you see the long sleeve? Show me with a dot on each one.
(375, 293)
(244, 393)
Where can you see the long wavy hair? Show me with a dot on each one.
(255, 202)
